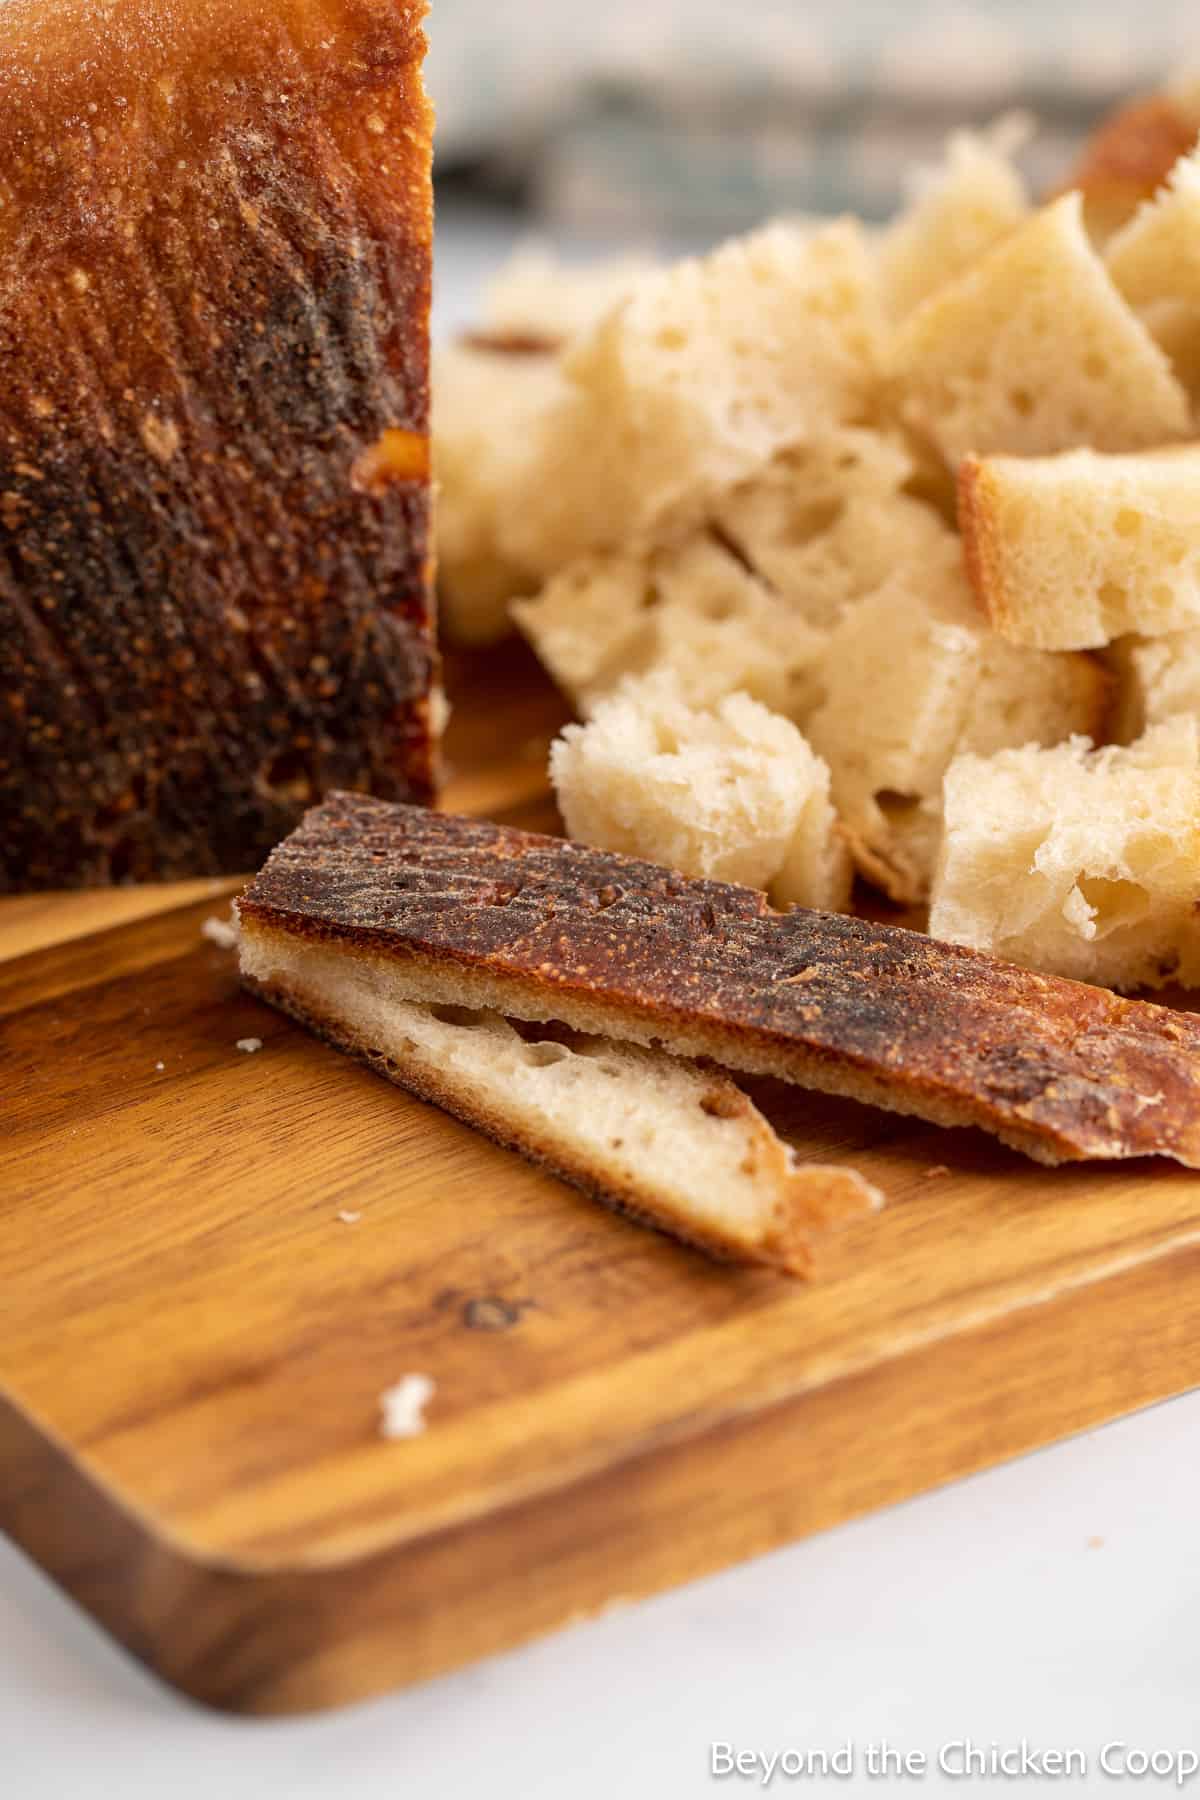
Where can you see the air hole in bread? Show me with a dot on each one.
(1021, 401)
(1127, 522)
(1112, 594)
(1113, 902)
(464, 1016)
(671, 338)
(1096, 366)
(896, 807)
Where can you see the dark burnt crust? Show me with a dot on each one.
(204, 624)
(1057, 1069)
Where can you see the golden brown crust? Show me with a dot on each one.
(976, 524)
(1128, 157)
(214, 297)
(538, 928)
(811, 1200)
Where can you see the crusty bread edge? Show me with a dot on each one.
(433, 978)
(810, 1198)
(981, 543)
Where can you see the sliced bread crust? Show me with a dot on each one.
(455, 910)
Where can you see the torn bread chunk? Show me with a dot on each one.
(956, 212)
(1155, 262)
(1069, 552)
(1084, 862)
(1034, 350)
(734, 794)
(488, 406)
(912, 677)
(675, 1146)
(1129, 156)
(537, 298)
(694, 382)
(693, 608)
(1158, 679)
(446, 910)
(215, 601)
(746, 603)
(823, 526)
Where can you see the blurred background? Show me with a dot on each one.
(675, 122)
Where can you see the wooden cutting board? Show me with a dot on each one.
(213, 1263)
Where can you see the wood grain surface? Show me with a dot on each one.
(195, 1341)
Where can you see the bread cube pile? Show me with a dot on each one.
(873, 554)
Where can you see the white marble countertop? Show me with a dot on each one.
(1054, 1600)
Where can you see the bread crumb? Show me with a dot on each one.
(249, 1045)
(221, 932)
(1095, 1543)
(349, 1218)
(937, 1169)
(402, 1408)
(159, 1067)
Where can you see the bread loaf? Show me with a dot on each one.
(215, 246)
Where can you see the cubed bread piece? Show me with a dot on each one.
(823, 526)
(912, 677)
(955, 213)
(1069, 552)
(488, 407)
(693, 384)
(1129, 156)
(730, 795)
(694, 608)
(536, 298)
(1034, 350)
(1155, 261)
(1078, 862)
(1156, 256)
(1157, 678)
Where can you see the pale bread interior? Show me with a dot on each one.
(677, 1145)
(1069, 552)
(694, 382)
(1034, 350)
(1078, 862)
(747, 482)
(956, 213)
(731, 794)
